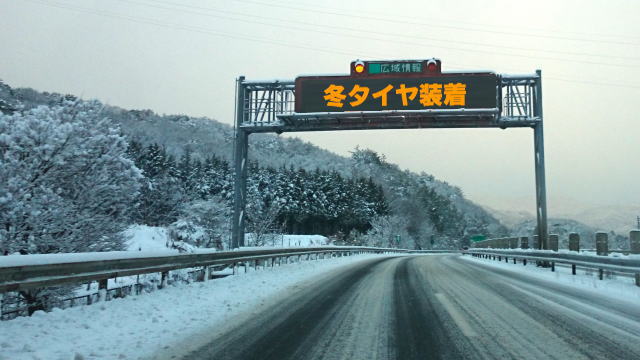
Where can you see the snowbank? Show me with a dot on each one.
(136, 327)
(147, 238)
(618, 287)
(590, 253)
(143, 241)
(281, 240)
(148, 241)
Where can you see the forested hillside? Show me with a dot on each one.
(183, 181)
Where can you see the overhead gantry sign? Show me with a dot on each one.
(404, 94)
(395, 90)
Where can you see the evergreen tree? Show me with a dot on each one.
(161, 193)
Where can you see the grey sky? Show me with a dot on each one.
(176, 56)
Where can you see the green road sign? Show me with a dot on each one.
(395, 67)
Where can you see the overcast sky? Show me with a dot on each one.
(179, 56)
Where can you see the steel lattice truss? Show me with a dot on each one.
(269, 107)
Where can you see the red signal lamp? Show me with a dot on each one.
(433, 66)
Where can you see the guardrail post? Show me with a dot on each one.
(524, 242)
(102, 289)
(601, 274)
(634, 242)
(524, 262)
(574, 242)
(553, 242)
(573, 269)
(163, 279)
(553, 266)
(637, 279)
(602, 244)
(209, 273)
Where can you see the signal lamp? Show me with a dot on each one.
(432, 65)
(359, 67)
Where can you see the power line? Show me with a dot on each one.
(395, 36)
(440, 19)
(466, 50)
(355, 15)
(206, 31)
(190, 28)
(589, 82)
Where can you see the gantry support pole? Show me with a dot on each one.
(541, 188)
(241, 146)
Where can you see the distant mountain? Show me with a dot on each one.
(620, 219)
(510, 218)
(561, 227)
(602, 217)
(203, 135)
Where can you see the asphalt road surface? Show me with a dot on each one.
(432, 307)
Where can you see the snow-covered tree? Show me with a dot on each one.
(390, 231)
(66, 184)
(262, 215)
(203, 223)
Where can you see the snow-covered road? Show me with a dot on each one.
(432, 307)
(138, 327)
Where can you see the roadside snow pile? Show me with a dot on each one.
(143, 241)
(151, 238)
(42, 259)
(147, 238)
(281, 240)
(616, 287)
(612, 253)
(136, 327)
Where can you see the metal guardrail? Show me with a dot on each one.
(622, 266)
(20, 283)
(17, 278)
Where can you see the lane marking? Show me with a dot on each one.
(457, 317)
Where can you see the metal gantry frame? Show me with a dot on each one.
(268, 106)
